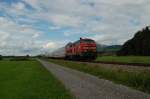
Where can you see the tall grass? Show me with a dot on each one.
(125, 59)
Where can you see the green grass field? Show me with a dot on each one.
(125, 59)
(139, 80)
(29, 80)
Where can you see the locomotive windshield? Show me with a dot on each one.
(88, 41)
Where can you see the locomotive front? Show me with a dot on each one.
(88, 49)
(81, 49)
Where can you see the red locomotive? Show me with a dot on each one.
(81, 49)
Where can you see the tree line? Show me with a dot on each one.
(139, 45)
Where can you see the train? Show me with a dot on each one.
(82, 49)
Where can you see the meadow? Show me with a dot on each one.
(136, 79)
(29, 80)
(125, 59)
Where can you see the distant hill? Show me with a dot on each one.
(138, 45)
(108, 48)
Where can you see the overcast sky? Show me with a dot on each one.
(35, 26)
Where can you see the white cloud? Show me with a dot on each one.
(17, 38)
(49, 45)
(35, 35)
(65, 20)
(19, 6)
(54, 27)
(75, 13)
(107, 21)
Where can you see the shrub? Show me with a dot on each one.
(21, 58)
(1, 57)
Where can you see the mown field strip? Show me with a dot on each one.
(29, 80)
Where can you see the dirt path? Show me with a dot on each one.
(85, 86)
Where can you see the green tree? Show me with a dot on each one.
(138, 45)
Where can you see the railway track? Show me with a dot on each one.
(120, 63)
(114, 63)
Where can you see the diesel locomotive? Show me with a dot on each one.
(83, 49)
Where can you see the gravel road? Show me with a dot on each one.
(85, 86)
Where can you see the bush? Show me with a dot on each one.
(1, 57)
(22, 58)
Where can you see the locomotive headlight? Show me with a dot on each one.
(86, 47)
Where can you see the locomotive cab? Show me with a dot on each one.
(83, 49)
(88, 49)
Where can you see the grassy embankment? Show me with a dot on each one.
(29, 80)
(125, 59)
(136, 79)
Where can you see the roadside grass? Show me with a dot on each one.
(29, 80)
(139, 80)
(125, 59)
